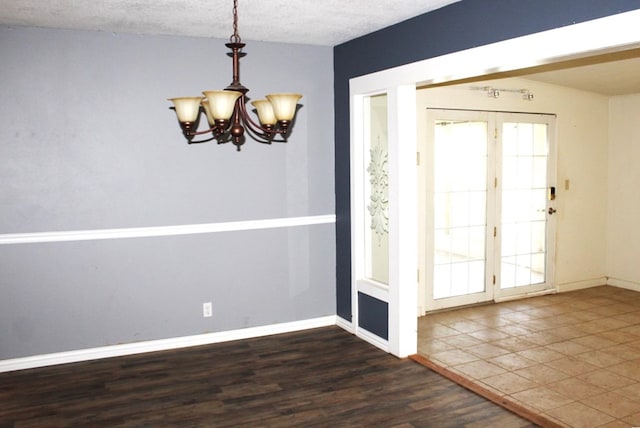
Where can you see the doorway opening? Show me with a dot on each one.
(400, 83)
(489, 181)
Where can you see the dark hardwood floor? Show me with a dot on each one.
(322, 377)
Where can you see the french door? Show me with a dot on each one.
(488, 214)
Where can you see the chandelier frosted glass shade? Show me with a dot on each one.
(265, 112)
(187, 108)
(284, 105)
(219, 104)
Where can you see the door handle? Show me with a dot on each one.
(551, 210)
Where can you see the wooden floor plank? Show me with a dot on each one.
(320, 377)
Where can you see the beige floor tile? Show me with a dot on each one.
(514, 330)
(537, 325)
(586, 315)
(518, 317)
(432, 346)
(541, 354)
(466, 326)
(543, 338)
(572, 366)
(538, 313)
(461, 340)
(493, 321)
(438, 330)
(623, 351)
(633, 329)
(542, 374)
(563, 320)
(574, 357)
(542, 398)
(575, 388)
(630, 369)
(630, 391)
(453, 357)
(601, 300)
(514, 344)
(518, 305)
(606, 379)
(578, 415)
(616, 423)
(594, 341)
(632, 420)
(513, 362)
(630, 317)
(486, 312)
(592, 327)
(613, 310)
(568, 332)
(612, 404)
(568, 347)
(600, 359)
(611, 323)
(619, 336)
(488, 334)
(479, 369)
(581, 305)
(509, 383)
(486, 350)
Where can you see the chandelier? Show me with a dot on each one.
(226, 110)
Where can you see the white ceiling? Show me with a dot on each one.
(610, 75)
(314, 22)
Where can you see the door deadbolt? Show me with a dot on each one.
(552, 210)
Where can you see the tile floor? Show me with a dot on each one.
(571, 357)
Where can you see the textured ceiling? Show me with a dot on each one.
(315, 22)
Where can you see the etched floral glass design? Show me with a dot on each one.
(379, 198)
(377, 193)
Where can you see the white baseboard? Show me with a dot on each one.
(344, 324)
(160, 345)
(579, 285)
(376, 341)
(363, 334)
(621, 283)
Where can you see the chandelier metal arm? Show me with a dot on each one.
(267, 133)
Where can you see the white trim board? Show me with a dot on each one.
(161, 344)
(145, 232)
(581, 285)
(623, 283)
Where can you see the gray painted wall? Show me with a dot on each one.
(87, 142)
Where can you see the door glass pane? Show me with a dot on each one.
(524, 185)
(377, 200)
(460, 207)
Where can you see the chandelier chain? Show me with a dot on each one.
(235, 37)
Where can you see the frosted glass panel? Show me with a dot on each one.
(376, 185)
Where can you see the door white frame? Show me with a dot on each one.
(549, 285)
(604, 35)
(426, 214)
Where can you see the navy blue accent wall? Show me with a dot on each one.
(459, 26)
(374, 315)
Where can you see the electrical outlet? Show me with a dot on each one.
(207, 310)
